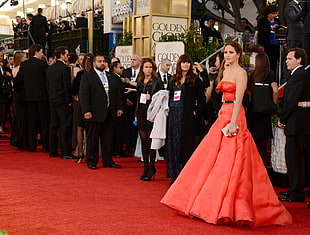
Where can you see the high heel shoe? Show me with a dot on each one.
(80, 158)
(150, 174)
(145, 171)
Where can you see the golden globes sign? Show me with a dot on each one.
(124, 54)
(169, 50)
(166, 26)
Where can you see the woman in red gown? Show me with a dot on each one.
(225, 181)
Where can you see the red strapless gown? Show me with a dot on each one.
(225, 181)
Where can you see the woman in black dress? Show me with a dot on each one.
(260, 124)
(19, 128)
(147, 85)
(186, 100)
(87, 66)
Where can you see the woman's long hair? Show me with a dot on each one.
(220, 74)
(18, 58)
(190, 76)
(262, 65)
(141, 75)
(87, 64)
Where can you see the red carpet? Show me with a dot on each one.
(43, 195)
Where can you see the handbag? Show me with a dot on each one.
(263, 99)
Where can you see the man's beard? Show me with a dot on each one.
(101, 69)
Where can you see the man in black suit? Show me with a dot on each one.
(60, 99)
(81, 21)
(129, 130)
(293, 15)
(101, 103)
(163, 72)
(295, 119)
(40, 28)
(306, 17)
(32, 80)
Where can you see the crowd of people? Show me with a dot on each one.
(202, 128)
(40, 30)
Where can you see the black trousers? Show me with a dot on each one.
(61, 120)
(102, 131)
(294, 156)
(38, 117)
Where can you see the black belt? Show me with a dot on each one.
(228, 101)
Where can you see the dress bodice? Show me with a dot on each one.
(229, 89)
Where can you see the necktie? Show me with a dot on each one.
(165, 78)
(134, 73)
(300, 5)
(106, 86)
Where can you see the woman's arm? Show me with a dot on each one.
(241, 84)
(275, 90)
(208, 92)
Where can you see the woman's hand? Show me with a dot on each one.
(128, 90)
(148, 96)
(232, 129)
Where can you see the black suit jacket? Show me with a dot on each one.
(31, 78)
(132, 96)
(296, 119)
(162, 79)
(93, 97)
(81, 22)
(293, 16)
(59, 84)
(39, 25)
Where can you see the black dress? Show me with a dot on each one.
(260, 124)
(181, 125)
(19, 136)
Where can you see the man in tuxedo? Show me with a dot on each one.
(130, 76)
(101, 103)
(32, 80)
(293, 15)
(306, 34)
(295, 119)
(117, 147)
(163, 72)
(60, 99)
(40, 28)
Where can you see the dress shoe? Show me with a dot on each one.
(286, 194)
(289, 199)
(92, 167)
(45, 150)
(68, 157)
(113, 166)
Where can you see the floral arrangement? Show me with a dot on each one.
(246, 64)
(250, 45)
